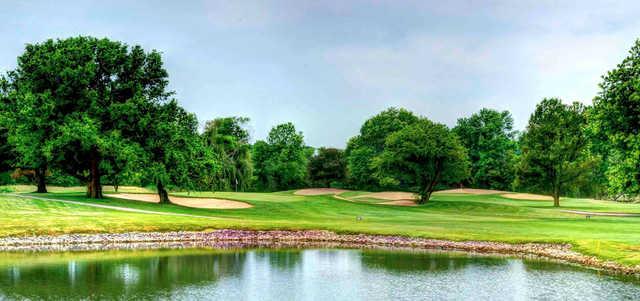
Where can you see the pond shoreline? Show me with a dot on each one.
(238, 238)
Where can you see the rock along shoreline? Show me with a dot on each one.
(239, 238)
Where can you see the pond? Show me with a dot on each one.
(300, 274)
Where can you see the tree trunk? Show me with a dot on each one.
(424, 197)
(94, 188)
(556, 200)
(163, 194)
(426, 192)
(40, 174)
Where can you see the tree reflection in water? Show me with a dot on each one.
(129, 276)
(277, 274)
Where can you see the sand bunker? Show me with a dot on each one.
(527, 196)
(389, 195)
(319, 191)
(208, 203)
(400, 203)
(470, 191)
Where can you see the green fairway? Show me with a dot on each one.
(452, 217)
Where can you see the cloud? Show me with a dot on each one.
(452, 74)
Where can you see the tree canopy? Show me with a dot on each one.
(370, 143)
(614, 123)
(554, 148)
(421, 156)
(489, 138)
(281, 161)
(80, 100)
(229, 141)
(327, 166)
(7, 155)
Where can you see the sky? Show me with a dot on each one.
(327, 66)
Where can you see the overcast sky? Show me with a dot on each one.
(327, 66)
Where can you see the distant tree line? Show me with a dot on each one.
(93, 111)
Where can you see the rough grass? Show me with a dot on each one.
(452, 217)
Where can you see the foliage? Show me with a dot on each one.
(362, 149)
(614, 124)
(229, 141)
(7, 156)
(122, 162)
(326, 167)
(489, 139)
(174, 152)
(58, 178)
(280, 163)
(420, 156)
(554, 148)
(76, 98)
(24, 125)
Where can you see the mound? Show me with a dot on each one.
(470, 191)
(208, 203)
(319, 191)
(527, 196)
(389, 195)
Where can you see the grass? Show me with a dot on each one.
(452, 217)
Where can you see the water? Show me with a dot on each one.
(300, 274)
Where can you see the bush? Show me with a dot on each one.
(5, 178)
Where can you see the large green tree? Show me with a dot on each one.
(327, 166)
(229, 140)
(554, 148)
(489, 138)
(614, 123)
(421, 156)
(81, 96)
(174, 152)
(280, 163)
(362, 148)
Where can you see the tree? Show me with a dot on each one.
(122, 162)
(26, 126)
(370, 143)
(7, 155)
(229, 141)
(554, 148)
(614, 124)
(281, 161)
(421, 156)
(489, 139)
(174, 152)
(327, 166)
(75, 96)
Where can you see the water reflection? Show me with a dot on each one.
(294, 274)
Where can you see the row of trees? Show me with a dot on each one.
(566, 149)
(99, 111)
